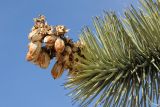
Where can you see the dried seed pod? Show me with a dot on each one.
(60, 30)
(49, 41)
(43, 60)
(68, 50)
(33, 51)
(56, 45)
(35, 35)
(43, 31)
(57, 70)
(50, 30)
(29, 57)
(77, 46)
(66, 61)
(69, 41)
(40, 21)
(42, 17)
(59, 45)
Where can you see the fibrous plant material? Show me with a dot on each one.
(47, 42)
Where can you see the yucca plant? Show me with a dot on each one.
(115, 65)
(121, 63)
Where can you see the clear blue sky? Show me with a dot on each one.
(23, 84)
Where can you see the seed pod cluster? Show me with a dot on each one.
(47, 42)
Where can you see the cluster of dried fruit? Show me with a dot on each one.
(47, 42)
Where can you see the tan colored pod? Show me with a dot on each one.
(61, 30)
(68, 50)
(49, 41)
(50, 30)
(66, 61)
(43, 60)
(40, 21)
(29, 57)
(46, 30)
(35, 35)
(34, 50)
(59, 45)
(57, 70)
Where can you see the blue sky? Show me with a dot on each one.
(23, 84)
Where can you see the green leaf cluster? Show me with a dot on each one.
(121, 67)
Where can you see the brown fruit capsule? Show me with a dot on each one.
(61, 30)
(40, 21)
(59, 45)
(29, 57)
(34, 50)
(43, 60)
(49, 41)
(35, 35)
(57, 70)
(68, 50)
